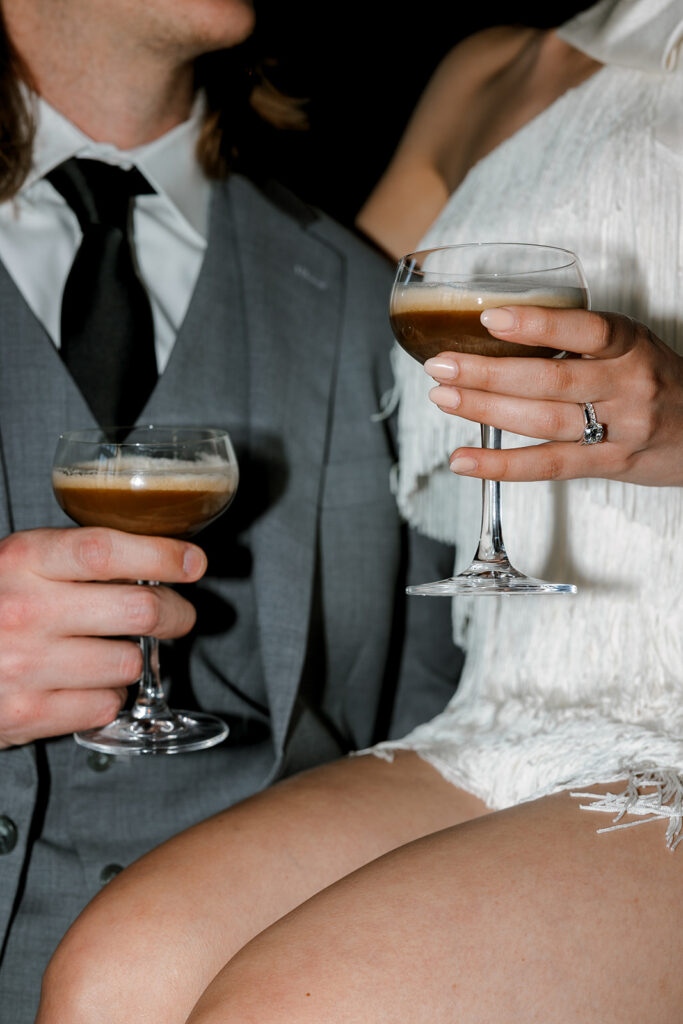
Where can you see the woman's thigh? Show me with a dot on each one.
(169, 922)
(522, 916)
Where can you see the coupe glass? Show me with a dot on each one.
(436, 301)
(159, 481)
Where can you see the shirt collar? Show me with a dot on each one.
(169, 163)
(642, 34)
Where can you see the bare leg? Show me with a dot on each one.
(525, 916)
(147, 947)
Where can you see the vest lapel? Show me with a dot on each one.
(293, 298)
(205, 382)
(36, 394)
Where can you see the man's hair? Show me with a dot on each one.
(240, 102)
(17, 124)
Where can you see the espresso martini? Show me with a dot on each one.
(431, 318)
(141, 495)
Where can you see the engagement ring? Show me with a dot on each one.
(593, 432)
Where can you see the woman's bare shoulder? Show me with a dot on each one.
(483, 91)
(468, 89)
(421, 174)
(488, 50)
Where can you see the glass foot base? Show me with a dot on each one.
(183, 732)
(490, 581)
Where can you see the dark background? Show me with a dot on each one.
(362, 67)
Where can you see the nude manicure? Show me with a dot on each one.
(447, 398)
(441, 368)
(501, 319)
(462, 465)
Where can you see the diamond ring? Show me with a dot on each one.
(593, 432)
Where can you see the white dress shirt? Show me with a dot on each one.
(40, 235)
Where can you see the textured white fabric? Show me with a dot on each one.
(565, 691)
(650, 795)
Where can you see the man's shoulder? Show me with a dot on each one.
(291, 212)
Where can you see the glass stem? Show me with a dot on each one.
(491, 547)
(150, 703)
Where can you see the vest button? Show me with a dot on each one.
(98, 762)
(108, 872)
(8, 834)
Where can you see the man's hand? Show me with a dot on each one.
(61, 668)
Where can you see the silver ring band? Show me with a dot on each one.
(593, 432)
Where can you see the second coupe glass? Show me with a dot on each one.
(436, 301)
(159, 481)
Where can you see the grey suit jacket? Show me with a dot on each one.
(304, 640)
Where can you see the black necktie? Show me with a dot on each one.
(107, 331)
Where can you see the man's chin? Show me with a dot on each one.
(223, 23)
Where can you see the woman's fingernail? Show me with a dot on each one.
(500, 319)
(441, 368)
(445, 397)
(462, 464)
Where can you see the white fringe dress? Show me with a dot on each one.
(561, 692)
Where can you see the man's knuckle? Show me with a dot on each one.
(143, 610)
(16, 612)
(15, 665)
(107, 705)
(92, 550)
(190, 618)
(111, 703)
(130, 662)
(14, 551)
(18, 712)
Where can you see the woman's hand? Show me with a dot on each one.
(633, 380)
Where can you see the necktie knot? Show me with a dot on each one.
(107, 327)
(98, 193)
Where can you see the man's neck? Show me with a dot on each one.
(134, 114)
(110, 93)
